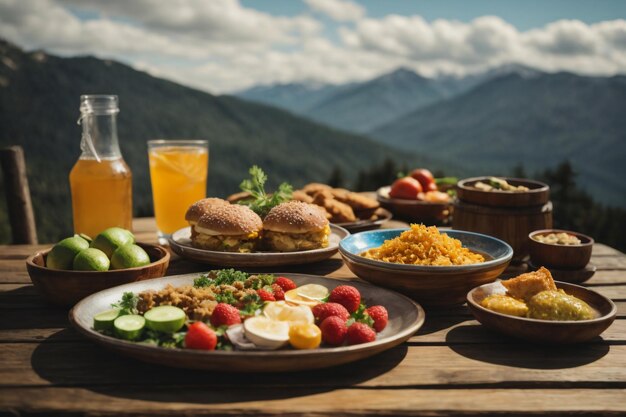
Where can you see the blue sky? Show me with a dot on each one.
(523, 14)
(229, 45)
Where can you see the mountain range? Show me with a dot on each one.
(39, 99)
(361, 107)
(491, 122)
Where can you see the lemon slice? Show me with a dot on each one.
(281, 311)
(305, 336)
(292, 297)
(266, 333)
(314, 292)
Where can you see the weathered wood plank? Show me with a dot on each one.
(510, 365)
(293, 401)
(600, 249)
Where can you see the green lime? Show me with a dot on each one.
(166, 319)
(129, 327)
(91, 259)
(111, 239)
(63, 253)
(105, 319)
(129, 256)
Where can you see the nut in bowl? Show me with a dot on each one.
(66, 287)
(560, 249)
(435, 284)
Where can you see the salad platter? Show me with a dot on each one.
(405, 317)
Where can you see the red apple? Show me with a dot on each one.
(406, 188)
(425, 178)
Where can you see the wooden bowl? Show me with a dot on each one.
(545, 331)
(67, 287)
(432, 286)
(560, 256)
(538, 195)
(413, 210)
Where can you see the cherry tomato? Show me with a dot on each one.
(425, 178)
(407, 188)
(200, 336)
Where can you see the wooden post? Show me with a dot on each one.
(20, 207)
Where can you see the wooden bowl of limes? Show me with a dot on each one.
(66, 287)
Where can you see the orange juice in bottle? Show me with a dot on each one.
(178, 172)
(100, 181)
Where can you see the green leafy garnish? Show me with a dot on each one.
(259, 281)
(128, 303)
(361, 316)
(226, 297)
(252, 303)
(220, 277)
(259, 201)
(166, 340)
(202, 281)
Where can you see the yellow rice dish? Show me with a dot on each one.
(421, 245)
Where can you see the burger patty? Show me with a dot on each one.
(291, 242)
(241, 243)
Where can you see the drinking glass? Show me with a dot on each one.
(178, 172)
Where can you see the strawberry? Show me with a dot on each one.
(334, 330)
(265, 295)
(380, 317)
(347, 296)
(225, 315)
(285, 283)
(322, 311)
(360, 333)
(279, 293)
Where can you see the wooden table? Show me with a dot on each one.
(451, 366)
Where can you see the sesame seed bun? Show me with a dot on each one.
(295, 217)
(229, 220)
(197, 209)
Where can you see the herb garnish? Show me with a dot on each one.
(259, 201)
(361, 316)
(252, 303)
(128, 303)
(220, 277)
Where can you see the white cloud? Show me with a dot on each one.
(339, 10)
(220, 45)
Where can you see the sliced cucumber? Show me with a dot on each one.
(129, 327)
(104, 320)
(166, 319)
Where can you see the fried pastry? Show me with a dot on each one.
(315, 187)
(340, 212)
(525, 286)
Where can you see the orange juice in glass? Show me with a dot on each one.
(178, 172)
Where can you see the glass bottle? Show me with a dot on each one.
(100, 181)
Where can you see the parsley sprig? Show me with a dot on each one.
(220, 277)
(127, 304)
(259, 201)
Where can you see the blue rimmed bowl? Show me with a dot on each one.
(433, 286)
